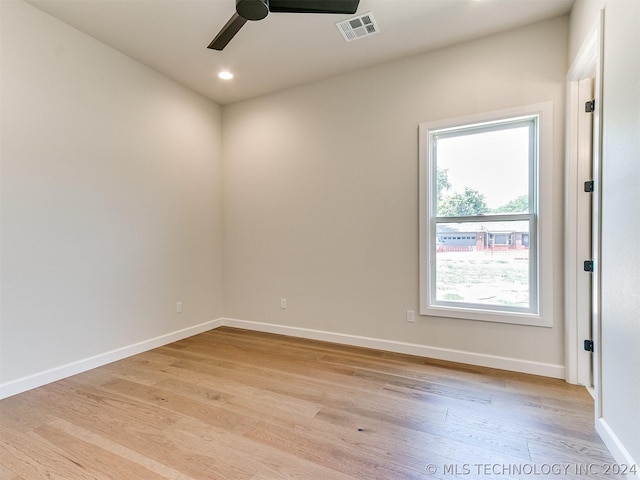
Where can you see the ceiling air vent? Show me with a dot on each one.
(358, 27)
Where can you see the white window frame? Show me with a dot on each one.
(540, 237)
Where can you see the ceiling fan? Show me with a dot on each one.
(259, 9)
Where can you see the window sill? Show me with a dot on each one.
(515, 318)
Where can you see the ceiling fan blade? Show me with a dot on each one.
(229, 31)
(313, 6)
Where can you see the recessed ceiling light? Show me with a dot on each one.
(225, 75)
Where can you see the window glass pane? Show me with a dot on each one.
(484, 263)
(483, 172)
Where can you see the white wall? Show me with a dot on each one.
(111, 199)
(620, 306)
(321, 194)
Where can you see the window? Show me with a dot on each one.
(481, 216)
(500, 239)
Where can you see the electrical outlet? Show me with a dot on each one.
(179, 307)
(283, 303)
(411, 316)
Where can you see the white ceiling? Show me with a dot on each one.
(284, 50)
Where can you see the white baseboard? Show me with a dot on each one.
(620, 454)
(492, 361)
(57, 373)
(472, 358)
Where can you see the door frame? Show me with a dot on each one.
(588, 63)
(578, 229)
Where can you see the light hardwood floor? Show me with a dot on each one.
(234, 404)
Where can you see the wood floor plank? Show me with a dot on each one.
(96, 461)
(273, 361)
(17, 412)
(330, 455)
(6, 474)
(242, 398)
(519, 426)
(32, 457)
(69, 398)
(209, 411)
(308, 389)
(439, 432)
(583, 460)
(239, 405)
(267, 461)
(117, 449)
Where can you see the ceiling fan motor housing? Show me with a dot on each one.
(252, 9)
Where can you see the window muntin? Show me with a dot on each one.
(509, 211)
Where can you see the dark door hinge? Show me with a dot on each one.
(588, 345)
(590, 106)
(589, 186)
(588, 265)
